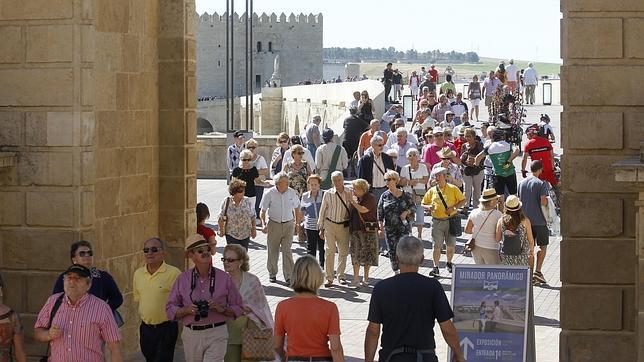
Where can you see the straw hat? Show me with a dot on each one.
(488, 195)
(195, 241)
(446, 152)
(513, 203)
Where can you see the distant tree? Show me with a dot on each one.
(390, 54)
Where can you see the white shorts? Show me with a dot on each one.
(475, 102)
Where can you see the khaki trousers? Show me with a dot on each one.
(208, 345)
(280, 237)
(337, 237)
(486, 256)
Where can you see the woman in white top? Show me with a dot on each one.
(259, 162)
(482, 225)
(413, 178)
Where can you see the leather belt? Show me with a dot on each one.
(163, 324)
(205, 326)
(301, 358)
(337, 223)
(280, 222)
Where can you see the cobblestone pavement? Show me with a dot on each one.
(353, 304)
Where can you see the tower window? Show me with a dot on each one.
(259, 46)
(270, 46)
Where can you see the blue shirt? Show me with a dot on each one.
(311, 209)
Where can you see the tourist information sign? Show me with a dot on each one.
(490, 305)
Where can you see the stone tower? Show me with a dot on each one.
(296, 38)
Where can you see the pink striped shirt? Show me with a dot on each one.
(85, 326)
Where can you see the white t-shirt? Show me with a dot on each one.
(486, 237)
(418, 174)
(511, 72)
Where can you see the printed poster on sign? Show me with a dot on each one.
(490, 305)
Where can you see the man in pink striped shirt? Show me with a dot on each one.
(81, 324)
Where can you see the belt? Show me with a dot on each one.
(163, 324)
(337, 223)
(379, 188)
(205, 326)
(301, 358)
(281, 222)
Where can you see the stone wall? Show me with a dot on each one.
(296, 38)
(601, 44)
(97, 103)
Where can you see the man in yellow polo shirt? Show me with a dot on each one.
(152, 285)
(454, 200)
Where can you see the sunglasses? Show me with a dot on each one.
(229, 260)
(85, 253)
(379, 145)
(153, 250)
(245, 159)
(390, 179)
(251, 148)
(283, 141)
(298, 153)
(202, 250)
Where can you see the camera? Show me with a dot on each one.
(202, 309)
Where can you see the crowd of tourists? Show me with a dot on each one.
(358, 199)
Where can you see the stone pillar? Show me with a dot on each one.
(271, 102)
(97, 134)
(177, 124)
(601, 124)
(631, 173)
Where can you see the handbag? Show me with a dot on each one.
(471, 244)
(257, 344)
(225, 217)
(52, 314)
(455, 228)
(369, 226)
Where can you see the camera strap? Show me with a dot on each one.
(193, 282)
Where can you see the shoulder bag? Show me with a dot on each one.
(257, 344)
(52, 314)
(345, 223)
(369, 226)
(225, 217)
(471, 244)
(326, 183)
(455, 228)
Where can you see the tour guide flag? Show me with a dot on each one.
(491, 311)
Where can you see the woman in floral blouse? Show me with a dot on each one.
(237, 215)
(11, 334)
(396, 209)
(298, 170)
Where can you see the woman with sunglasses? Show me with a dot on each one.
(103, 285)
(249, 174)
(255, 307)
(237, 216)
(297, 170)
(278, 153)
(258, 161)
(12, 335)
(396, 209)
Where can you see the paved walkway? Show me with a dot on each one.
(353, 304)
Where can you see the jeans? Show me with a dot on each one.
(315, 245)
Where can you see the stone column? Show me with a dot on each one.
(177, 124)
(602, 123)
(631, 173)
(271, 101)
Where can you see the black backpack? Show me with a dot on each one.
(511, 242)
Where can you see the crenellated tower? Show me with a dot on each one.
(296, 38)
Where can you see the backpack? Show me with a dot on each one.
(511, 242)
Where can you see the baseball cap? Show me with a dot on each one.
(79, 270)
(238, 134)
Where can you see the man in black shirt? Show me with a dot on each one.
(406, 305)
(353, 129)
(388, 80)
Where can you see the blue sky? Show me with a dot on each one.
(519, 29)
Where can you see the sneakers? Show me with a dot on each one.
(435, 272)
(538, 276)
(449, 266)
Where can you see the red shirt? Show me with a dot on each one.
(85, 327)
(205, 231)
(539, 148)
(434, 74)
(458, 143)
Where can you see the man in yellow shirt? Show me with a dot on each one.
(152, 285)
(440, 216)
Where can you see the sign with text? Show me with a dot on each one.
(490, 305)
